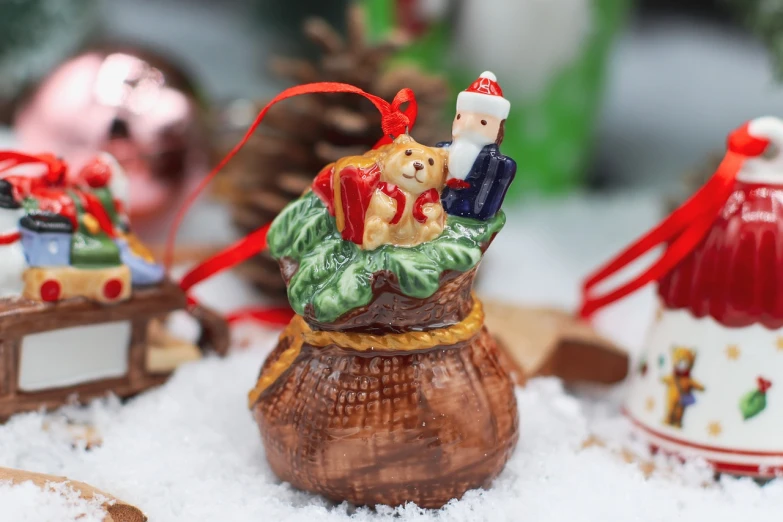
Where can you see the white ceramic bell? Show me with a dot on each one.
(710, 382)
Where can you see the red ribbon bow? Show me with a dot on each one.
(55, 167)
(682, 230)
(394, 121)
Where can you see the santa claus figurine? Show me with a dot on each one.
(710, 383)
(479, 175)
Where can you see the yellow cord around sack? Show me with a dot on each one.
(299, 332)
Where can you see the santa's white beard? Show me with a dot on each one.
(462, 155)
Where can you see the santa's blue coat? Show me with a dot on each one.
(489, 179)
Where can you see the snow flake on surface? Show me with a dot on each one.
(191, 451)
(56, 502)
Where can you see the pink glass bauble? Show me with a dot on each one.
(134, 104)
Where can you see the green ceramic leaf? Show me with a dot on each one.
(316, 269)
(299, 227)
(377, 260)
(477, 232)
(417, 273)
(752, 404)
(349, 289)
(312, 228)
(455, 254)
(335, 276)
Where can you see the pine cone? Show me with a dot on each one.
(298, 137)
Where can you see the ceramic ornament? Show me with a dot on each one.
(386, 387)
(83, 300)
(709, 383)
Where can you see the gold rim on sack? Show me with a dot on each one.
(298, 332)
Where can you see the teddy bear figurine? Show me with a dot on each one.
(387, 196)
(405, 209)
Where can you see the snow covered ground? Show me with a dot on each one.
(191, 451)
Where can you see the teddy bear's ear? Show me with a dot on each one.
(403, 139)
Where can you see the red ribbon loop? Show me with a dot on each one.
(55, 167)
(682, 230)
(240, 251)
(273, 316)
(394, 121)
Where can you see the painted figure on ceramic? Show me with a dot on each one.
(680, 385)
(755, 401)
(364, 397)
(479, 175)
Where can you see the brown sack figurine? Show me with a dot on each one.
(386, 387)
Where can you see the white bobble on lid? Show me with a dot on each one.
(489, 75)
(765, 169)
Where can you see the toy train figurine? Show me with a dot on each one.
(75, 237)
(46, 241)
(82, 301)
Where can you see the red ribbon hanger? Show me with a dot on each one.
(55, 167)
(682, 230)
(394, 121)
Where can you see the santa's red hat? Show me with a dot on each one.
(484, 96)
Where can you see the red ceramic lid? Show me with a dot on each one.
(735, 275)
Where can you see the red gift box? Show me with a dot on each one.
(355, 187)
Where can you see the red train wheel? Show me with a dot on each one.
(50, 290)
(112, 289)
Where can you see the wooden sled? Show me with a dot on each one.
(53, 352)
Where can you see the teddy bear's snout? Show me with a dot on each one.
(418, 165)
